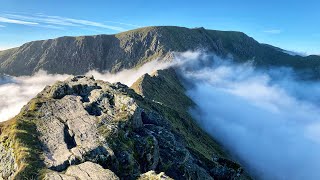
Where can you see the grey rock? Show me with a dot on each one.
(90, 171)
(90, 129)
(154, 176)
(67, 131)
(84, 171)
(147, 148)
(58, 176)
(8, 165)
(173, 153)
(69, 125)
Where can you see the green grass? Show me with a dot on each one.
(164, 87)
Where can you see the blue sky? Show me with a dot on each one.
(292, 25)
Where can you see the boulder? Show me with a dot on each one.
(154, 176)
(84, 171)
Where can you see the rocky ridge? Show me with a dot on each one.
(126, 50)
(84, 128)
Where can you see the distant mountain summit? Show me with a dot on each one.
(78, 55)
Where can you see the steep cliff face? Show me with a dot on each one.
(78, 55)
(84, 128)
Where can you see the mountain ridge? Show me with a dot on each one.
(113, 53)
(85, 126)
(129, 132)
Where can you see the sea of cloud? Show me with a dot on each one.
(267, 118)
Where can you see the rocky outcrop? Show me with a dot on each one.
(78, 55)
(154, 176)
(84, 128)
(70, 123)
(84, 171)
(8, 165)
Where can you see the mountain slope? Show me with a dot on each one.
(77, 55)
(84, 128)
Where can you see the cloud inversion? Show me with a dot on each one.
(268, 119)
(17, 91)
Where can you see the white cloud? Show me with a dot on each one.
(127, 24)
(57, 21)
(295, 53)
(17, 91)
(41, 19)
(16, 21)
(129, 76)
(273, 31)
(269, 120)
(92, 23)
(6, 47)
(266, 118)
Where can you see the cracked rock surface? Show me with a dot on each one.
(89, 129)
(84, 171)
